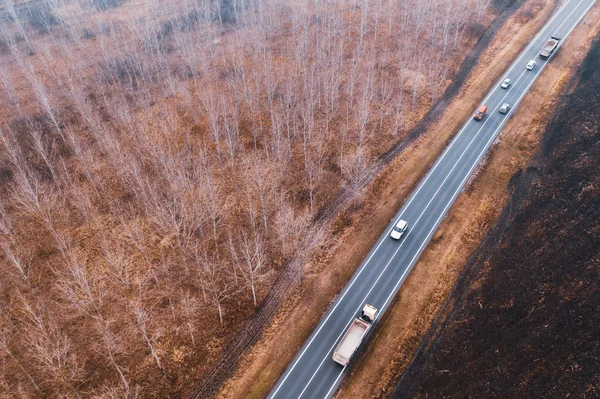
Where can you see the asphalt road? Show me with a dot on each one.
(313, 373)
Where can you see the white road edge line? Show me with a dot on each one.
(454, 140)
(335, 382)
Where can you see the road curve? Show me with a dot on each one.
(313, 374)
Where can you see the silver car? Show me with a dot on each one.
(530, 65)
(505, 83)
(504, 108)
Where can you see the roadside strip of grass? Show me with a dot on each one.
(362, 223)
(473, 214)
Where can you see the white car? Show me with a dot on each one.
(399, 229)
(504, 108)
(530, 65)
(505, 83)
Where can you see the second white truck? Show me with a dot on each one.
(354, 335)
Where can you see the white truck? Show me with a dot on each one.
(354, 335)
(549, 47)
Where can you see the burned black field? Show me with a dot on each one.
(524, 320)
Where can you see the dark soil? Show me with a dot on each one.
(524, 319)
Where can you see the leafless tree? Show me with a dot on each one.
(480, 7)
(7, 334)
(253, 252)
(141, 316)
(213, 205)
(313, 149)
(134, 231)
(290, 226)
(50, 349)
(9, 89)
(41, 92)
(40, 201)
(10, 7)
(20, 258)
(86, 159)
(111, 350)
(190, 305)
(217, 282)
(17, 254)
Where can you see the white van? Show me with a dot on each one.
(399, 229)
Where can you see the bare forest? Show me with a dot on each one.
(160, 161)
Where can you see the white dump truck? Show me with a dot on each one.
(549, 47)
(355, 335)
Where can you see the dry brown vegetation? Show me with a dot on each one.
(161, 162)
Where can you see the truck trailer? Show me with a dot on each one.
(549, 47)
(354, 335)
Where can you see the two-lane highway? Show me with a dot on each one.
(313, 373)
